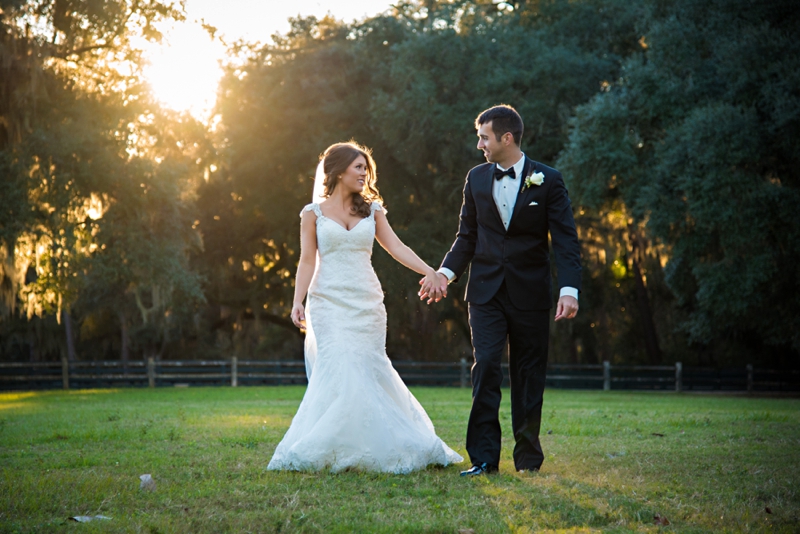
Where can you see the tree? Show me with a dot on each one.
(75, 118)
(409, 85)
(698, 139)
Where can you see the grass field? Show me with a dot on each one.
(706, 463)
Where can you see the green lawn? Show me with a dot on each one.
(707, 463)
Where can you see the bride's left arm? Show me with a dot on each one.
(396, 248)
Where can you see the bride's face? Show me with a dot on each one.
(353, 179)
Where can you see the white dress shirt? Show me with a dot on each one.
(505, 192)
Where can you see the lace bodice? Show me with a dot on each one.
(333, 238)
(342, 253)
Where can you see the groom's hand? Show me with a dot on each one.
(567, 308)
(434, 287)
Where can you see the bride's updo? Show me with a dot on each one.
(336, 159)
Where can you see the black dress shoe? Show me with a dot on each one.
(479, 470)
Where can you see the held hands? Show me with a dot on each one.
(434, 287)
(299, 316)
(567, 308)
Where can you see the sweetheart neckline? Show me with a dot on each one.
(340, 226)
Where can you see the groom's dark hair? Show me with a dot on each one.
(504, 119)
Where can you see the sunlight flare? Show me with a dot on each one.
(185, 71)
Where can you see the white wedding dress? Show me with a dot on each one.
(356, 412)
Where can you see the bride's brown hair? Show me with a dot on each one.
(336, 159)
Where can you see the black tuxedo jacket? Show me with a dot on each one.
(519, 255)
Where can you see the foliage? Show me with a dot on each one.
(88, 142)
(674, 122)
(698, 140)
(408, 85)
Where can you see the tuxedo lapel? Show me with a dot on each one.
(528, 168)
(486, 184)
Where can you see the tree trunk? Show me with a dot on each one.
(430, 5)
(602, 329)
(567, 335)
(164, 341)
(34, 350)
(65, 316)
(642, 298)
(125, 351)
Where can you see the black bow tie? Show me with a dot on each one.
(498, 174)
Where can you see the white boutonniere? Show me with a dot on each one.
(535, 178)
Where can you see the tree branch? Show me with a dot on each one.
(79, 51)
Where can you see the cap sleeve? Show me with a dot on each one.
(312, 207)
(376, 206)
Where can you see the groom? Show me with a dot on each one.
(510, 205)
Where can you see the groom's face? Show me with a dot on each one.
(493, 149)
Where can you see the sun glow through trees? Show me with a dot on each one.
(185, 70)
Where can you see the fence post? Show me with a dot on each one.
(463, 372)
(749, 378)
(65, 373)
(678, 377)
(151, 372)
(606, 375)
(234, 371)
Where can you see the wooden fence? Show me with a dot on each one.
(100, 374)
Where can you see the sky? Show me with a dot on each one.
(259, 19)
(185, 69)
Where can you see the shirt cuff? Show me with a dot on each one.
(567, 291)
(448, 273)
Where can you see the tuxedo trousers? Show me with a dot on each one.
(493, 325)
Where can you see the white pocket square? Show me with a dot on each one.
(534, 203)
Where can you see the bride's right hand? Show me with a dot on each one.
(299, 316)
(434, 287)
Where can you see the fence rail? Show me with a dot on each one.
(93, 374)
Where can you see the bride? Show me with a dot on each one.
(356, 412)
